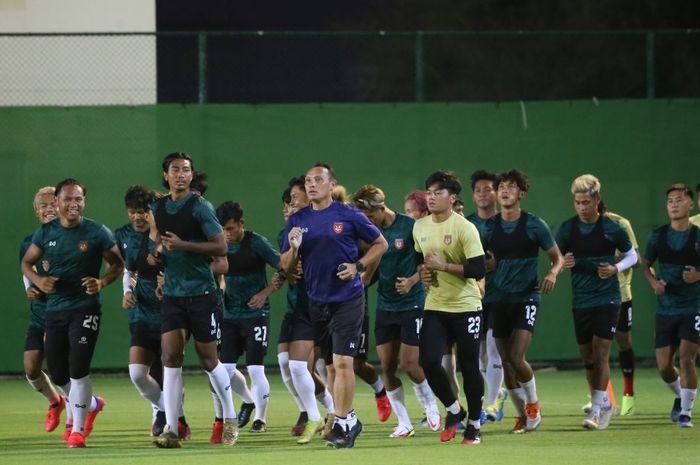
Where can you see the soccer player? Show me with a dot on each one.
(589, 241)
(452, 261)
(676, 248)
(399, 310)
(695, 219)
(190, 235)
(45, 211)
(484, 186)
(623, 333)
(514, 238)
(70, 250)
(325, 237)
(415, 205)
(246, 304)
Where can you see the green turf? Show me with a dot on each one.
(121, 431)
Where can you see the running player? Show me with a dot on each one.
(399, 310)
(325, 237)
(415, 205)
(589, 241)
(190, 235)
(676, 248)
(484, 186)
(246, 305)
(45, 211)
(453, 260)
(71, 249)
(514, 237)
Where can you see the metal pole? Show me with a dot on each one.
(419, 66)
(202, 43)
(651, 68)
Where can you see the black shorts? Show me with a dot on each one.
(244, 335)
(403, 326)
(296, 327)
(34, 339)
(146, 336)
(508, 317)
(487, 315)
(671, 329)
(71, 336)
(364, 335)
(595, 321)
(340, 322)
(439, 327)
(199, 315)
(624, 323)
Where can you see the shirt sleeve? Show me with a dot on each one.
(291, 222)
(416, 242)
(652, 253)
(107, 240)
(563, 237)
(542, 233)
(471, 241)
(205, 214)
(264, 250)
(620, 237)
(366, 231)
(630, 232)
(38, 238)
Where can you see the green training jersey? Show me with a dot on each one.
(481, 226)
(398, 261)
(71, 254)
(679, 298)
(247, 276)
(37, 307)
(189, 274)
(135, 246)
(588, 289)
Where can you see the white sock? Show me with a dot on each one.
(260, 389)
(397, 401)
(221, 383)
(181, 411)
(425, 395)
(687, 400)
(517, 397)
(483, 358)
(304, 385)
(475, 423)
(448, 363)
(599, 399)
(80, 398)
(43, 386)
(351, 419)
(378, 385)
(145, 384)
(494, 369)
(239, 383)
(283, 360)
(172, 395)
(218, 408)
(69, 411)
(326, 399)
(675, 387)
(321, 370)
(530, 390)
(454, 409)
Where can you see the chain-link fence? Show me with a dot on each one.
(254, 67)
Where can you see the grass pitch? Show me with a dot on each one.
(121, 431)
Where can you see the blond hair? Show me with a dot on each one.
(369, 197)
(586, 184)
(340, 194)
(46, 190)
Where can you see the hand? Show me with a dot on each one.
(257, 301)
(128, 301)
(606, 270)
(691, 275)
(490, 262)
(277, 281)
(569, 261)
(294, 237)
(427, 276)
(403, 285)
(659, 287)
(33, 293)
(92, 285)
(434, 262)
(160, 282)
(171, 241)
(346, 271)
(548, 282)
(47, 284)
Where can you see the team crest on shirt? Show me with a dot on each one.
(83, 246)
(337, 228)
(447, 239)
(45, 265)
(398, 243)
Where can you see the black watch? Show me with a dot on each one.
(360, 267)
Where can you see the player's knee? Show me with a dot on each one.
(31, 368)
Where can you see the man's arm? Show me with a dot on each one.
(657, 285)
(374, 253)
(215, 246)
(550, 279)
(113, 269)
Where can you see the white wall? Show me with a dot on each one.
(77, 70)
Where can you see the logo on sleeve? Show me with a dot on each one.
(398, 244)
(337, 228)
(447, 239)
(83, 246)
